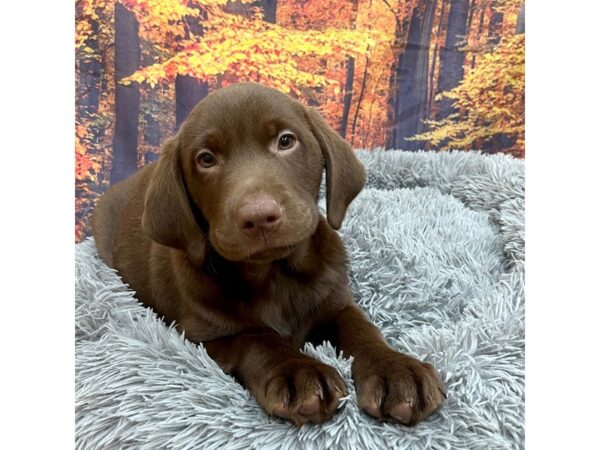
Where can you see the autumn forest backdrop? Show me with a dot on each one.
(398, 74)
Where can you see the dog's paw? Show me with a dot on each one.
(303, 390)
(397, 388)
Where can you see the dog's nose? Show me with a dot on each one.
(260, 215)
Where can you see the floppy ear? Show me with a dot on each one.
(345, 175)
(168, 218)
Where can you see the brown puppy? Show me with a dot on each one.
(223, 236)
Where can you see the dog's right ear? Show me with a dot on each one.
(168, 218)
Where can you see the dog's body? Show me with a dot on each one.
(277, 295)
(223, 236)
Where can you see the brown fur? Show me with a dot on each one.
(171, 232)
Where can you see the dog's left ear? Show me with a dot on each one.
(345, 175)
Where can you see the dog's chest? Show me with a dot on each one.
(286, 303)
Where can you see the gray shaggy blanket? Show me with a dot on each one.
(436, 243)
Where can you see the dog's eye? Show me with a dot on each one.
(206, 159)
(286, 141)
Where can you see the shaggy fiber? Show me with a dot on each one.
(436, 243)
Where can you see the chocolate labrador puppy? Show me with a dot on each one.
(223, 235)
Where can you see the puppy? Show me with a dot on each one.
(223, 235)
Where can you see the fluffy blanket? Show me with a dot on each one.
(436, 243)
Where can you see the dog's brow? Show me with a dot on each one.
(275, 125)
(272, 127)
(209, 138)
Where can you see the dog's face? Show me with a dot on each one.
(253, 167)
(246, 168)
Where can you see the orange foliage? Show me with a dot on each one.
(249, 49)
(308, 52)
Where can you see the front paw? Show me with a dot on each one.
(302, 390)
(396, 387)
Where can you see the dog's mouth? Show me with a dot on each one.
(271, 253)
(265, 250)
(258, 252)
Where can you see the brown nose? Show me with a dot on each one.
(259, 216)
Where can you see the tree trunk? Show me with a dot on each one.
(451, 57)
(410, 105)
(495, 27)
(521, 20)
(348, 91)
(347, 96)
(484, 5)
(189, 90)
(152, 130)
(434, 59)
(127, 98)
(90, 72)
(360, 97)
(499, 142)
(471, 12)
(399, 43)
(270, 10)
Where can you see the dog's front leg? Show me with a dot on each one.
(285, 382)
(390, 385)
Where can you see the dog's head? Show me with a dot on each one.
(244, 171)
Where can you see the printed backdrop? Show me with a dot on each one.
(398, 74)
